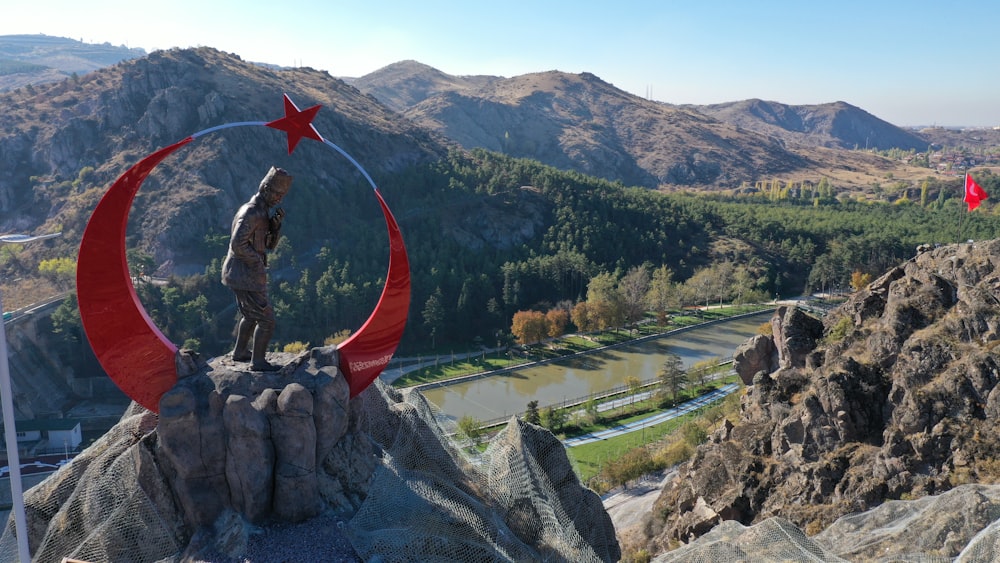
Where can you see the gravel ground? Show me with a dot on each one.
(320, 539)
(628, 507)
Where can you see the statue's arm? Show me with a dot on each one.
(274, 229)
(242, 244)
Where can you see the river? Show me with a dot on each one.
(568, 379)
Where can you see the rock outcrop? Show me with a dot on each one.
(235, 453)
(258, 437)
(962, 520)
(896, 397)
(758, 354)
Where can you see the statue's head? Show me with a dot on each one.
(275, 185)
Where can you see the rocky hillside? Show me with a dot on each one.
(893, 395)
(581, 123)
(834, 125)
(69, 140)
(235, 458)
(407, 83)
(37, 59)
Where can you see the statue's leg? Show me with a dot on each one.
(261, 338)
(244, 330)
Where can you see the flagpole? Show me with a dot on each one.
(961, 214)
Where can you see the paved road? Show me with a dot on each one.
(664, 416)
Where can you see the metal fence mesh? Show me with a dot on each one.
(428, 501)
(961, 525)
(518, 501)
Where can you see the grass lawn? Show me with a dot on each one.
(588, 458)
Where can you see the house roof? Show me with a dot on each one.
(45, 424)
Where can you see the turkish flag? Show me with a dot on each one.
(974, 194)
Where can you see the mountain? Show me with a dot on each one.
(580, 122)
(893, 395)
(405, 84)
(68, 141)
(37, 59)
(834, 125)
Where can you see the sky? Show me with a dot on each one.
(911, 63)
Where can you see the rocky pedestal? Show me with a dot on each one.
(254, 442)
(378, 472)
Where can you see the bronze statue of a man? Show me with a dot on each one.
(254, 232)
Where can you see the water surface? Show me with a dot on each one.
(569, 379)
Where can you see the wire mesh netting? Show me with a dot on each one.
(518, 501)
(961, 525)
(427, 500)
(109, 504)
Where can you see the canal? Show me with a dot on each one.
(575, 377)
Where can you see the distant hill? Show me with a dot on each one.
(407, 83)
(834, 125)
(37, 59)
(950, 137)
(580, 122)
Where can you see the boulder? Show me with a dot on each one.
(755, 355)
(795, 335)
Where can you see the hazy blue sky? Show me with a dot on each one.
(909, 62)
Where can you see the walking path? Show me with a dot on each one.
(664, 416)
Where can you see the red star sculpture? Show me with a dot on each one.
(297, 124)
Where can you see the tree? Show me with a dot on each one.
(529, 327)
(672, 375)
(554, 419)
(606, 303)
(591, 409)
(434, 314)
(633, 288)
(699, 371)
(701, 286)
(581, 317)
(472, 428)
(295, 347)
(67, 325)
(532, 416)
(633, 384)
(743, 284)
(337, 337)
(62, 271)
(662, 293)
(823, 273)
(556, 321)
(140, 264)
(859, 280)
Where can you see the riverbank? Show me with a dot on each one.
(573, 380)
(428, 373)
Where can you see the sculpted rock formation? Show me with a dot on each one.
(258, 438)
(898, 399)
(234, 455)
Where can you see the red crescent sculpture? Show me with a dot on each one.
(365, 354)
(133, 351)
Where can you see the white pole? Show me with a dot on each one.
(13, 456)
(10, 431)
